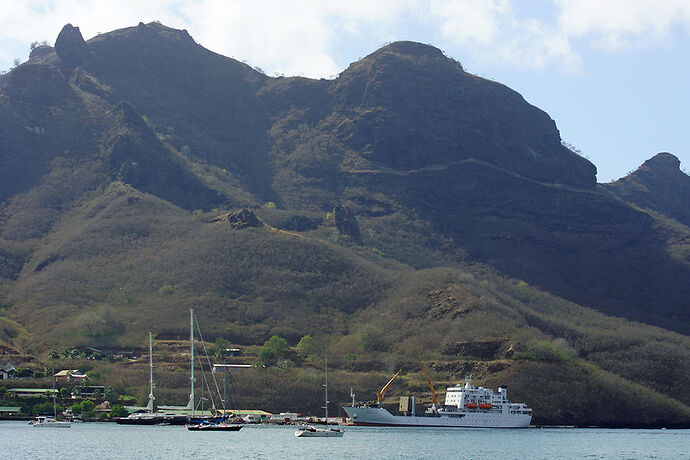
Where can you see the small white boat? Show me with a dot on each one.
(50, 422)
(313, 432)
(310, 431)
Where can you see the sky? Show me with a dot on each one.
(613, 74)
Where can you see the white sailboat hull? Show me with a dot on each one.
(311, 432)
(51, 423)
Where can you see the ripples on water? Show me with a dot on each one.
(100, 441)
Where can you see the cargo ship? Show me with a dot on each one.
(465, 406)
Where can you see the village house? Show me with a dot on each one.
(67, 375)
(7, 371)
(30, 392)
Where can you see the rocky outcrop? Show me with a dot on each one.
(71, 47)
(485, 348)
(239, 219)
(346, 223)
(659, 185)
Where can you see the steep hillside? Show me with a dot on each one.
(405, 210)
(659, 185)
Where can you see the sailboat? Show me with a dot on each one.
(310, 431)
(151, 417)
(51, 422)
(202, 423)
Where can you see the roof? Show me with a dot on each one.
(31, 390)
(248, 412)
(66, 372)
(7, 367)
(10, 409)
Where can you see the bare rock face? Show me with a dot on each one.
(240, 219)
(346, 222)
(70, 46)
(485, 348)
(658, 184)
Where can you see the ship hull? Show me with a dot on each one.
(376, 416)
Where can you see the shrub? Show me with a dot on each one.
(307, 347)
(118, 411)
(87, 408)
(267, 356)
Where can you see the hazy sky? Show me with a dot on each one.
(613, 74)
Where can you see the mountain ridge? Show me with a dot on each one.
(407, 207)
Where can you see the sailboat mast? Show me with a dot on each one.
(191, 354)
(150, 405)
(326, 385)
(54, 404)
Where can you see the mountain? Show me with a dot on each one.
(658, 185)
(404, 210)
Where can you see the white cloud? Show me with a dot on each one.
(491, 32)
(287, 37)
(307, 36)
(616, 24)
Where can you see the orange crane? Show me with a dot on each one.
(379, 394)
(434, 398)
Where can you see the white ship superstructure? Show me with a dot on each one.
(465, 406)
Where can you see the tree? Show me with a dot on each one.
(87, 408)
(220, 346)
(53, 354)
(35, 44)
(118, 411)
(350, 359)
(75, 408)
(64, 392)
(267, 356)
(22, 372)
(371, 339)
(307, 347)
(278, 344)
(45, 408)
(110, 394)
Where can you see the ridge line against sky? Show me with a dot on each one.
(612, 74)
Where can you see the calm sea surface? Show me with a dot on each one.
(18, 440)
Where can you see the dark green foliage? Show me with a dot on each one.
(46, 408)
(117, 410)
(275, 349)
(220, 346)
(87, 407)
(307, 347)
(267, 357)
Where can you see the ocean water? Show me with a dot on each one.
(18, 440)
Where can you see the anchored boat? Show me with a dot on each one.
(465, 406)
(310, 431)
